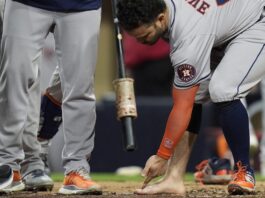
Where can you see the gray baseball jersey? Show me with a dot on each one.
(197, 26)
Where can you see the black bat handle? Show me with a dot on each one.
(122, 73)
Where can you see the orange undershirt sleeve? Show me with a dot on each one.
(178, 120)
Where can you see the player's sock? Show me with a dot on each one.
(234, 121)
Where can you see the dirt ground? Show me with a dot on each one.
(126, 189)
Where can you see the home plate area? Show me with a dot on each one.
(125, 189)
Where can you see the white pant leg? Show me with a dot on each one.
(242, 67)
(76, 40)
(31, 145)
(24, 32)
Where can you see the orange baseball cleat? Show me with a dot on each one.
(79, 182)
(243, 181)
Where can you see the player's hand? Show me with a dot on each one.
(154, 167)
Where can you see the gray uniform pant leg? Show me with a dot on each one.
(31, 145)
(21, 46)
(76, 40)
(242, 67)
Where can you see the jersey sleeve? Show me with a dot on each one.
(191, 61)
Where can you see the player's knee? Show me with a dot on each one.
(195, 121)
(220, 92)
(50, 118)
(215, 90)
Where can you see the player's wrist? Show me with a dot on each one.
(163, 155)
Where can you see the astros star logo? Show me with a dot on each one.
(186, 72)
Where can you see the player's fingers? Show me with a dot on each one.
(147, 166)
(147, 180)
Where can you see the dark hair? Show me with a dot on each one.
(134, 13)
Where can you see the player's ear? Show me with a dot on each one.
(161, 20)
(161, 17)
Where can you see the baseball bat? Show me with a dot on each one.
(123, 84)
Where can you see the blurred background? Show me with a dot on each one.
(151, 69)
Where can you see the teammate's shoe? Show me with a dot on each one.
(16, 185)
(243, 181)
(6, 176)
(213, 171)
(38, 180)
(79, 182)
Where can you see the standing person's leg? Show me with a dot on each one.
(246, 60)
(31, 146)
(6, 172)
(77, 60)
(32, 167)
(18, 75)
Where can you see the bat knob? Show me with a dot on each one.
(128, 135)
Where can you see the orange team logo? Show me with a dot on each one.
(168, 143)
(186, 72)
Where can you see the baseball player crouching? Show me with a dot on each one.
(194, 29)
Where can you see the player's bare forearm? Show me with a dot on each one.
(178, 119)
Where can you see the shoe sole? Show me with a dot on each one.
(220, 179)
(16, 188)
(36, 188)
(72, 190)
(234, 189)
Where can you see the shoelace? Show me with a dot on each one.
(241, 172)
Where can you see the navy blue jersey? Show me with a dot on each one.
(63, 5)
